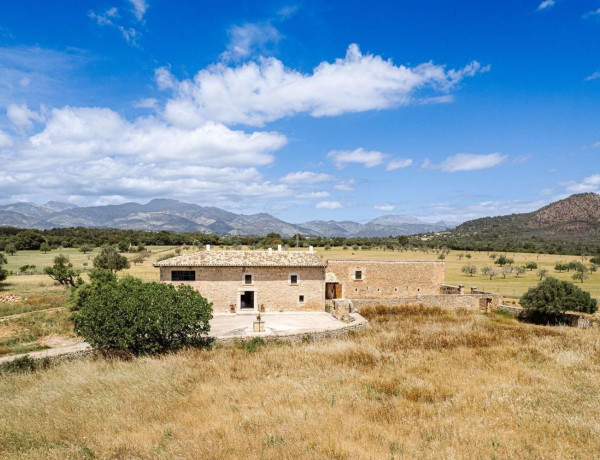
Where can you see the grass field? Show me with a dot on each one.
(41, 293)
(417, 384)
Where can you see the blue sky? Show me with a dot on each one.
(307, 110)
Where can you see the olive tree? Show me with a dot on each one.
(110, 259)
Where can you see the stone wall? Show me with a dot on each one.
(271, 286)
(482, 302)
(387, 279)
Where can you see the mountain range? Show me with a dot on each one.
(176, 216)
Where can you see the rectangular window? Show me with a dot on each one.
(248, 278)
(293, 279)
(183, 275)
(301, 299)
(358, 275)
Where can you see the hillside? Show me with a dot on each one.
(575, 217)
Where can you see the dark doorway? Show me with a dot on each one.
(247, 300)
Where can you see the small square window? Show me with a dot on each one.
(293, 279)
(300, 299)
(358, 275)
(247, 279)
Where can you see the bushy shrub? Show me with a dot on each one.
(143, 318)
(553, 297)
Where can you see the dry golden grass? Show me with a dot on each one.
(420, 383)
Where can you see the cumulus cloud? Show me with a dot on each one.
(589, 184)
(328, 205)
(398, 164)
(365, 157)
(467, 162)
(384, 207)
(258, 92)
(249, 39)
(546, 4)
(21, 116)
(306, 177)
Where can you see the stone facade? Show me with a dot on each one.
(481, 302)
(387, 279)
(271, 287)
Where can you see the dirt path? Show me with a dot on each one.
(18, 315)
(51, 352)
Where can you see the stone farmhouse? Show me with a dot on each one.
(276, 280)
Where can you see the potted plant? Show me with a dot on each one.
(262, 308)
(231, 308)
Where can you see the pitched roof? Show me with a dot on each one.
(220, 258)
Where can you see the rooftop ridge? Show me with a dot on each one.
(387, 261)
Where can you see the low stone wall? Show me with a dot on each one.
(483, 302)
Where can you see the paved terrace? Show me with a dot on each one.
(226, 326)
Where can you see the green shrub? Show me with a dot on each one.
(143, 318)
(553, 297)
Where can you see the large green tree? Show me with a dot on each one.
(3, 272)
(553, 296)
(143, 318)
(110, 259)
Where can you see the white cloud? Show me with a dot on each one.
(345, 186)
(365, 157)
(139, 8)
(111, 16)
(398, 164)
(592, 13)
(589, 184)
(249, 39)
(21, 116)
(384, 207)
(258, 92)
(146, 103)
(546, 4)
(306, 177)
(546, 191)
(5, 140)
(311, 195)
(466, 162)
(328, 205)
(593, 76)
(82, 133)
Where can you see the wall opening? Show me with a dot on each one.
(247, 300)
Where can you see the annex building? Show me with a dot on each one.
(276, 280)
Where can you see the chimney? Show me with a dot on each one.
(270, 251)
(208, 247)
(279, 247)
(310, 249)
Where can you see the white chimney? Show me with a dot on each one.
(310, 249)
(208, 247)
(279, 247)
(270, 250)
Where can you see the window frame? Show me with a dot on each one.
(292, 283)
(301, 299)
(184, 278)
(251, 275)
(361, 277)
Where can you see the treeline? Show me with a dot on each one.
(76, 237)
